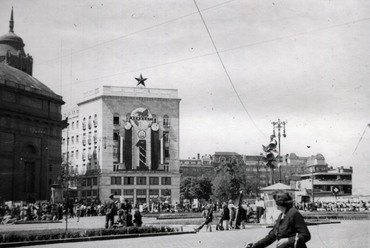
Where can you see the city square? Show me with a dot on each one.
(119, 115)
(347, 233)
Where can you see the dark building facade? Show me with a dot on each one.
(30, 126)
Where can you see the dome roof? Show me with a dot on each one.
(15, 78)
(10, 41)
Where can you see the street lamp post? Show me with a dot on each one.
(279, 125)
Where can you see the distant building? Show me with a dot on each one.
(220, 158)
(125, 141)
(30, 126)
(321, 178)
(197, 167)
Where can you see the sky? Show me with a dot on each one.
(238, 66)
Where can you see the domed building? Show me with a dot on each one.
(30, 126)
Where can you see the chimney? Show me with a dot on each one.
(198, 156)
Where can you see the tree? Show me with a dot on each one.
(230, 179)
(196, 188)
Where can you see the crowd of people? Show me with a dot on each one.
(47, 211)
(334, 206)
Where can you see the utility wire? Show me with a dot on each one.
(129, 34)
(229, 49)
(226, 72)
(368, 125)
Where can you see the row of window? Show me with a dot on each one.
(89, 154)
(141, 192)
(140, 180)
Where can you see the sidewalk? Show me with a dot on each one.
(347, 234)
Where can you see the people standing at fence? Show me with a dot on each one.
(290, 230)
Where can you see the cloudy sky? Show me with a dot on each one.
(304, 62)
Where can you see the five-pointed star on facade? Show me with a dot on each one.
(141, 80)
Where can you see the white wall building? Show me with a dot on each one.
(125, 142)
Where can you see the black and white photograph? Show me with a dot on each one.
(185, 123)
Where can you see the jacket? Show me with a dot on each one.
(289, 226)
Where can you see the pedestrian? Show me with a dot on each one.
(232, 211)
(109, 212)
(138, 218)
(208, 215)
(241, 218)
(78, 211)
(290, 230)
(260, 205)
(225, 216)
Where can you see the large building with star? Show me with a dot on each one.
(30, 126)
(125, 141)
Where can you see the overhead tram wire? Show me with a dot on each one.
(133, 33)
(368, 125)
(227, 50)
(226, 72)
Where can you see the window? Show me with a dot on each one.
(166, 152)
(166, 181)
(95, 181)
(73, 125)
(73, 140)
(128, 192)
(115, 180)
(166, 121)
(77, 139)
(84, 124)
(89, 139)
(89, 154)
(84, 154)
(166, 192)
(84, 139)
(141, 181)
(77, 154)
(116, 135)
(154, 192)
(50, 167)
(95, 136)
(88, 182)
(95, 120)
(165, 136)
(76, 124)
(141, 192)
(90, 123)
(95, 153)
(128, 181)
(115, 191)
(154, 180)
(116, 119)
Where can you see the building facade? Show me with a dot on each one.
(319, 181)
(125, 141)
(30, 126)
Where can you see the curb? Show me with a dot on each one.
(93, 238)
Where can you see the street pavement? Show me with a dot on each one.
(346, 234)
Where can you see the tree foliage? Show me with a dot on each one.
(230, 179)
(196, 188)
